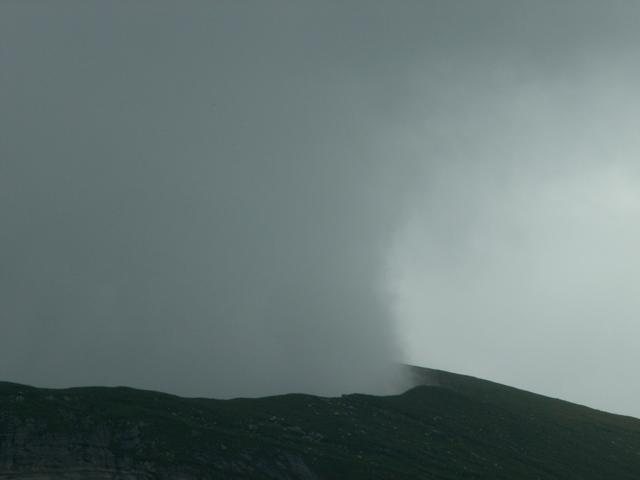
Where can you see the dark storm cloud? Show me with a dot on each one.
(203, 197)
(192, 200)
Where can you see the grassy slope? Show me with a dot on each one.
(461, 428)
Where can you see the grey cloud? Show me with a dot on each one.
(517, 258)
(230, 198)
(193, 203)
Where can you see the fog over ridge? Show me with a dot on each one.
(245, 198)
(520, 248)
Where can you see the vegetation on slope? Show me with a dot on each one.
(457, 427)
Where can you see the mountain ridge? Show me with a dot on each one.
(448, 426)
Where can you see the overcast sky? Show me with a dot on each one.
(244, 198)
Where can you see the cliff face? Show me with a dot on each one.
(29, 451)
(458, 427)
(32, 449)
(97, 434)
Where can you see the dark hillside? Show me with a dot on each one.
(456, 427)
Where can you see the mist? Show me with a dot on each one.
(518, 259)
(192, 201)
(247, 198)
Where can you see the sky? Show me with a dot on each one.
(247, 198)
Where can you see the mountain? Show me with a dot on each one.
(449, 427)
